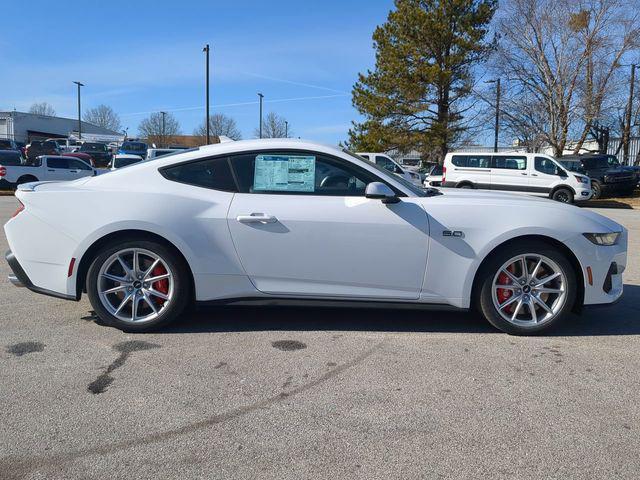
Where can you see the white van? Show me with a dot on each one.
(530, 173)
(386, 162)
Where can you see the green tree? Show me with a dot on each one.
(415, 96)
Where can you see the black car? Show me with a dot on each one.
(608, 177)
(99, 152)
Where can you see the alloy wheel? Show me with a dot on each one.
(135, 285)
(529, 290)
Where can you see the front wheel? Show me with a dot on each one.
(596, 188)
(563, 195)
(527, 288)
(138, 285)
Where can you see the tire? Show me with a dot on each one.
(152, 311)
(597, 190)
(466, 185)
(26, 179)
(497, 305)
(563, 195)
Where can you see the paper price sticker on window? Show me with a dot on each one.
(285, 173)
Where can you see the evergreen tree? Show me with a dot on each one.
(415, 96)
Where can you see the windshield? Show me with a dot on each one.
(600, 162)
(93, 147)
(417, 191)
(134, 146)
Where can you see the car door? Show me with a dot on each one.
(57, 168)
(509, 173)
(302, 226)
(544, 176)
(79, 169)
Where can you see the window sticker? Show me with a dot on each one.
(285, 173)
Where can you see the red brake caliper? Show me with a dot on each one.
(161, 286)
(503, 293)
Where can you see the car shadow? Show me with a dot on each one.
(622, 318)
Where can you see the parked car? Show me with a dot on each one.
(123, 160)
(608, 177)
(85, 157)
(279, 220)
(65, 145)
(7, 144)
(98, 151)
(389, 164)
(9, 158)
(133, 148)
(529, 173)
(159, 152)
(38, 148)
(46, 167)
(434, 177)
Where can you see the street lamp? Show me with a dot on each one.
(206, 50)
(497, 126)
(79, 115)
(164, 142)
(260, 128)
(286, 129)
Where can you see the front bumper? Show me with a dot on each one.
(20, 279)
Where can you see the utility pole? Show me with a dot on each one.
(626, 137)
(206, 50)
(260, 128)
(497, 125)
(286, 129)
(79, 112)
(164, 141)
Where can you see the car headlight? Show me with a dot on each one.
(603, 239)
(582, 179)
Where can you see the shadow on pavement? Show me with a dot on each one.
(623, 318)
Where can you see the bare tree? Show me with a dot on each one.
(220, 124)
(103, 116)
(156, 130)
(42, 108)
(273, 126)
(560, 56)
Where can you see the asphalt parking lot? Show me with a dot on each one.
(276, 392)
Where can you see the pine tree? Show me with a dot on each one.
(414, 98)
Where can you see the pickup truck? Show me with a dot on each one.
(45, 167)
(608, 177)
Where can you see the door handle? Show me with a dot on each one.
(523, 173)
(50, 170)
(256, 218)
(534, 174)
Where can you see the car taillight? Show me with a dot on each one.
(444, 173)
(3, 171)
(20, 208)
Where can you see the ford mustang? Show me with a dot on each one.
(289, 221)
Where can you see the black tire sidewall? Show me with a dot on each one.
(180, 278)
(568, 192)
(597, 190)
(484, 299)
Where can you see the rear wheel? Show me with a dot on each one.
(138, 285)
(563, 195)
(527, 288)
(466, 185)
(26, 179)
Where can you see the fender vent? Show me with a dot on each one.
(613, 270)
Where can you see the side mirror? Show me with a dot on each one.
(381, 191)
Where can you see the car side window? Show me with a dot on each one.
(384, 162)
(213, 173)
(545, 165)
(299, 173)
(78, 165)
(507, 162)
(61, 163)
(472, 161)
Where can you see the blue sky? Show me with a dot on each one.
(146, 56)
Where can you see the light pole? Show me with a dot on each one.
(206, 50)
(164, 142)
(79, 115)
(260, 128)
(286, 129)
(497, 125)
(626, 137)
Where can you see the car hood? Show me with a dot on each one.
(488, 199)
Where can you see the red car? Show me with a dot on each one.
(82, 156)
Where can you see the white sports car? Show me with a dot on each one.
(288, 220)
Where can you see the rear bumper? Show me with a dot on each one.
(20, 279)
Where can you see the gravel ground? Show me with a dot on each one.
(276, 392)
